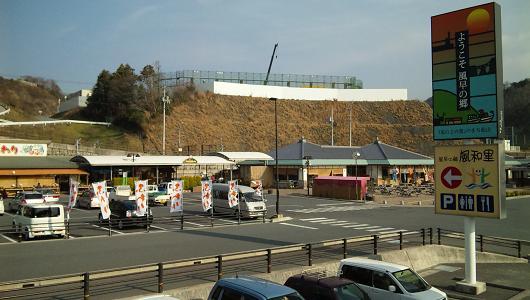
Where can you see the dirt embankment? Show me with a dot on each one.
(247, 124)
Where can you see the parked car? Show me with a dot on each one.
(120, 192)
(164, 187)
(384, 280)
(23, 198)
(87, 199)
(123, 213)
(251, 288)
(251, 205)
(313, 287)
(156, 196)
(49, 194)
(39, 219)
(1, 206)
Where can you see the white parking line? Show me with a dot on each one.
(325, 220)
(367, 227)
(8, 238)
(378, 229)
(330, 204)
(343, 224)
(294, 225)
(153, 226)
(106, 229)
(334, 222)
(196, 224)
(393, 231)
(312, 219)
(354, 226)
(225, 220)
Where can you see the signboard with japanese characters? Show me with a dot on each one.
(467, 79)
(469, 181)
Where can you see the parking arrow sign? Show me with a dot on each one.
(451, 177)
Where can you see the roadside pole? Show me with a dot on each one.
(471, 265)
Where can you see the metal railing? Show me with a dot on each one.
(155, 277)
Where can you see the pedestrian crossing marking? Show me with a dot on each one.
(312, 219)
(354, 226)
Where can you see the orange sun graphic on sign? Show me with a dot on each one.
(478, 21)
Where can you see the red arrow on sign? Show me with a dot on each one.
(451, 177)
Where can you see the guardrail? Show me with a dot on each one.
(154, 277)
(13, 123)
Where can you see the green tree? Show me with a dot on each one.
(123, 94)
(98, 102)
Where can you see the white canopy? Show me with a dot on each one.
(159, 160)
(241, 156)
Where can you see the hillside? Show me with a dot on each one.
(247, 124)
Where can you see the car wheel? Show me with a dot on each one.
(120, 224)
(26, 234)
(165, 203)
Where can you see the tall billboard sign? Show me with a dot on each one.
(467, 79)
(468, 181)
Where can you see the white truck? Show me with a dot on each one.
(156, 196)
(120, 193)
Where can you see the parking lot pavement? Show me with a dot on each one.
(503, 281)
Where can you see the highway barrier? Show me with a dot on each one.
(156, 277)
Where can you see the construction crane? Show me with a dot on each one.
(270, 64)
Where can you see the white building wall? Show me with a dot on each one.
(280, 92)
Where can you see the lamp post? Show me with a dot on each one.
(355, 156)
(307, 164)
(133, 156)
(165, 100)
(276, 156)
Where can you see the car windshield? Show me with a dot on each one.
(411, 281)
(349, 291)
(33, 196)
(252, 197)
(130, 204)
(45, 212)
(45, 191)
(293, 296)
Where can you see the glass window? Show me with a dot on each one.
(217, 292)
(129, 204)
(33, 196)
(411, 281)
(293, 296)
(382, 281)
(349, 291)
(45, 212)
(357, 274)
(230, 294)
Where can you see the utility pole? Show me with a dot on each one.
(331, 121)
(165, 99)
(350, 125)
(270, 64)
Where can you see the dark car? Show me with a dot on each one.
(328, 288)
(123, 213)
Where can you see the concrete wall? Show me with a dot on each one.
(281, 92)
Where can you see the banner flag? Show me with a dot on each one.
(175, 194)
(100, 190)
(140, 191)
(233, 194)
(74, 188)
(258, 188)
(206, 194)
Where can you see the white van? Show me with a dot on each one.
(251, 205)
(39, 219)
(384, 280)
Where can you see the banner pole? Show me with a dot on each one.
(110, 230)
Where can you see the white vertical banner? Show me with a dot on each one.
(176, 196)
(140, 191)
(258, 188)
(233, 194)
(74, 188)
(206, 194)
(100, 189)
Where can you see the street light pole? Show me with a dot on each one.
(165, 99)
(307, 164)
(355, 156)
(276, 157)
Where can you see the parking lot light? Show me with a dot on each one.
(276, 157)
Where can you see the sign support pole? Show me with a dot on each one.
(471, 266)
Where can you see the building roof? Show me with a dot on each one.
(241, 156)
(41, 162)
(374, 153)
(159, 160)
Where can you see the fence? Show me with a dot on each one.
(157, 276)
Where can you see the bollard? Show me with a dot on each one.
(430, 235)
(375, 243)
(344, 248)
(160, 278)
(269, 260)
(86, 285)
(310, 254)
(219, 267)
(401, 240)
(182, 221)
(147, 222)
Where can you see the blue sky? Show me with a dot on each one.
(385, 43)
